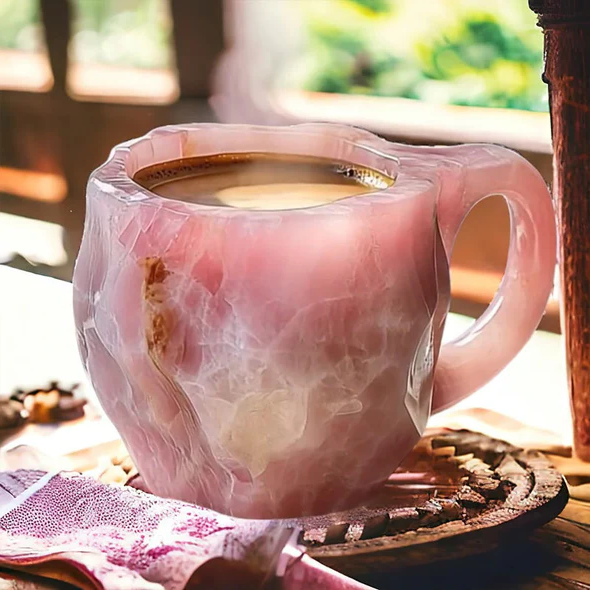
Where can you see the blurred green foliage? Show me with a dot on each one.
(444, 51)
(119, 32)
(19, 25)
(461, 55)
(376, 6)
(122, 32)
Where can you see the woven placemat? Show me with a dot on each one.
(458, 493)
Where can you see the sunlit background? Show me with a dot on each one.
(452, 52)
(449, 52)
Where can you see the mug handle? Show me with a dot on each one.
(469, 175)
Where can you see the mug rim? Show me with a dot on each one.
(115, 176)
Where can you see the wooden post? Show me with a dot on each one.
(56, 17)
(198, 43)
(566, 24)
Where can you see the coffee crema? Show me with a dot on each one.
(260, 180)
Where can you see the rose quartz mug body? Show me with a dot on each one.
(282, 363)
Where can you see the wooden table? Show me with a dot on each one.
(37, 345)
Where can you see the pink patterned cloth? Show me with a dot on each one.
(121, 538)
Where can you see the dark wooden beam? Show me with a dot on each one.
(198, 43)
(56, 22)
(566, 24)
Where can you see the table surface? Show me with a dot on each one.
(38, 345)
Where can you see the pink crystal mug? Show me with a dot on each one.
(283, 363)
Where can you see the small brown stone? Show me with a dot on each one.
(41, 405)
(113, 475)
(53, 404)
(443, 452)
(12, 414)
(69, 408)
(127, 464)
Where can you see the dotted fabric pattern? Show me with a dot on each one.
(122, 538)
(15, 483)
